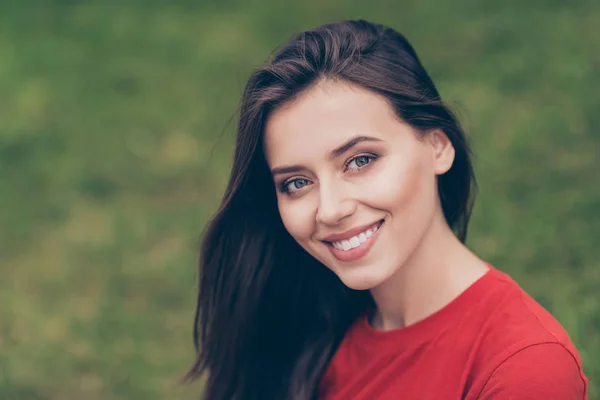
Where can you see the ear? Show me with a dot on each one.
(443, 151)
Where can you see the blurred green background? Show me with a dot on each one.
(115, 147)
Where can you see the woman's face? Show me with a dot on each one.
(356, 187)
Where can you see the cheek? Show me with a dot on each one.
(400, 185)
(297, 219)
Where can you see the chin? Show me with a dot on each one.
(359, 285)
(361, 281)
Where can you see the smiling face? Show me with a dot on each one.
(356, 187)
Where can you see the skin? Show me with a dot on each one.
(416, 265)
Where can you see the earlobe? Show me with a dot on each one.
(443, 152)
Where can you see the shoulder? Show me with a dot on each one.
(539, 371)
(515, 320)
(524, 352)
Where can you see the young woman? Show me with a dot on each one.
(335, 267)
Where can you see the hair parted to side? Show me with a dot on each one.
(269, 316)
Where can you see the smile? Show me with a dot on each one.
(355, 244)
(355, 241)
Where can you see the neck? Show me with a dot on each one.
(439, 270)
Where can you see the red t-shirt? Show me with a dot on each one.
(492, 342)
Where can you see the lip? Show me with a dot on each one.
(350, 233)
(359, 252)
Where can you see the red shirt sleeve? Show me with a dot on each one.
(544, 371)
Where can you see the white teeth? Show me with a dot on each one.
(355, 241)
(362, 238)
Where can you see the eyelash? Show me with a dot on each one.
(371, 157)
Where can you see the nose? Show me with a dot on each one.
(334, 205)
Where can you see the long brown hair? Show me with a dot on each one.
(269, 316)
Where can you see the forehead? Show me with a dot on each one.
(323, 118)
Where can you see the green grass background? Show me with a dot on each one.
(115, 148)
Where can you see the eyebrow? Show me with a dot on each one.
(334, 154)
(351, 143)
